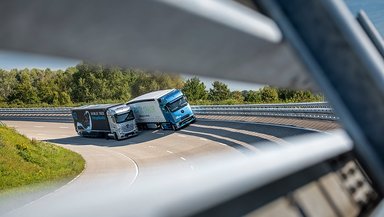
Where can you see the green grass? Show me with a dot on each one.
(25, 162)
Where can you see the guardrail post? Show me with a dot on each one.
(346, 66)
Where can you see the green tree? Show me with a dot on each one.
(24, 91)
(194, 89)
(146, 82)
(219, 91)
(252, 96)
(286, 95)
(268, 94)
(8, 83)
(237, 96)
(89, 83)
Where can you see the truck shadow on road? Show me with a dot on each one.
(239, 136)
(243, 135)
(142, 137)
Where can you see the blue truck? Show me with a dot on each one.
(167, 109)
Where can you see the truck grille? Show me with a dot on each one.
(186, 120)
(184, 117)
(128, 128)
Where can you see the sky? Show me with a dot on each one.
(18, 60)
(10, 59)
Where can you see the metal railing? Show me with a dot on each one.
(343, 61)
(316, 110)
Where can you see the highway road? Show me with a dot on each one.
(144, 156)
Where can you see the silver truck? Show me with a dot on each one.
(105, 120)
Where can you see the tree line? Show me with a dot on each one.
(197, 93)
(92, 83)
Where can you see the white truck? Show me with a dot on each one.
(105, 120)
(168, 109)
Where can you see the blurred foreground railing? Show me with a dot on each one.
(298, 40)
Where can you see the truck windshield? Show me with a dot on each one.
(178, 104)
(120, 118)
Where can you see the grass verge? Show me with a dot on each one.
(24, 162)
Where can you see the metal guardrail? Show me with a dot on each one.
(317, 110)
(343, 54)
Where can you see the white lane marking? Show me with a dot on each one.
(63, 127)
(268, 124)
(38, 126)
(170, 152)
(134, 163)
(250, 133)
(181, 135)
(204, 139)
(183, 158)
(250, 147)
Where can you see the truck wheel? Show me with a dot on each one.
(116, 138)
(174, 128)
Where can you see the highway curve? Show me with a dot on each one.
(142, 156)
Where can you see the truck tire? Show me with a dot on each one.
(116, 138)
(174, 128)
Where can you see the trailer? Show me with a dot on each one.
(105, 120)
(168, 109)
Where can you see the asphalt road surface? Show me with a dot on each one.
(144, 156)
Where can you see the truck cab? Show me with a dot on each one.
(168, 109)
(176, 109)
(105, 120)
(121, 122)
